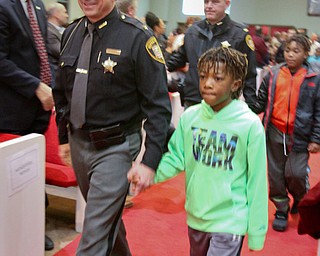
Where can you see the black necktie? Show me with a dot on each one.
(79, 93)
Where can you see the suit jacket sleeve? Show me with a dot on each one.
(53, 43)
(15, 48)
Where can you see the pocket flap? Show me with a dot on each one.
(67, 61)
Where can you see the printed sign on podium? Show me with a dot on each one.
(22, 196)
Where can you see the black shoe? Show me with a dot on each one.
(128, 203)
(280, 222)
(294, 208)
(48, 243)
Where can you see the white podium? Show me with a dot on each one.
(22, 196)
(177, 109)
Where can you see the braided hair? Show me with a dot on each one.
(236, 64)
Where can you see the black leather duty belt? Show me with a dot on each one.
(108, 136)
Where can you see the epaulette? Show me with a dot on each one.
(247, 36)
(137, 23)
(152, 45)
(75, 21)
(243, 26)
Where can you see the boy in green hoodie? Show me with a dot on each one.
(220, 144)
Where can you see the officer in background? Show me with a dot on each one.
(217, 29)
(126, 84)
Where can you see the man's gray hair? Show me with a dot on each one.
(52, 7)
(123, 5)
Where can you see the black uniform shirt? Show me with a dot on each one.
(126, 82)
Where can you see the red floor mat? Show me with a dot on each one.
(156, 224)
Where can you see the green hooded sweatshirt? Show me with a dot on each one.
(224, 157)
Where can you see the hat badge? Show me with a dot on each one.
(225, 44)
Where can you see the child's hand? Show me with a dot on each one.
(141, 177)
(65, 154)
(313, 147)
(134, 181)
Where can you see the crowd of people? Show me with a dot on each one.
(269, 48)
(96, 73)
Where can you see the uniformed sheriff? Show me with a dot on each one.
(126, 84)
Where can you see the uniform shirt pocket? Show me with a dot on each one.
(67, 66)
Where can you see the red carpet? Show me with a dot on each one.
(156, 225)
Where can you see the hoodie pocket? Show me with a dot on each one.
(209, 195)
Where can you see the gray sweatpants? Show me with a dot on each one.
(287, 170)
(214, 244)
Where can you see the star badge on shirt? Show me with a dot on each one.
(109, 65)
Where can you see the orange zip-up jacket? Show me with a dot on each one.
(286, 99)
(306, 120)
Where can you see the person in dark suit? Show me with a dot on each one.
(26, 100)
(57, 21)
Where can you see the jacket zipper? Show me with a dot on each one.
(289, 104)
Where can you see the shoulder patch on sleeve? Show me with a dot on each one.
(249, 42)
(154, 50)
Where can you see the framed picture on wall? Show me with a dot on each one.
(314, 7)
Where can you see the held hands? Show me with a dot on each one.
(64, 153)
(313, 147)
(141, 178)
(44, 94)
